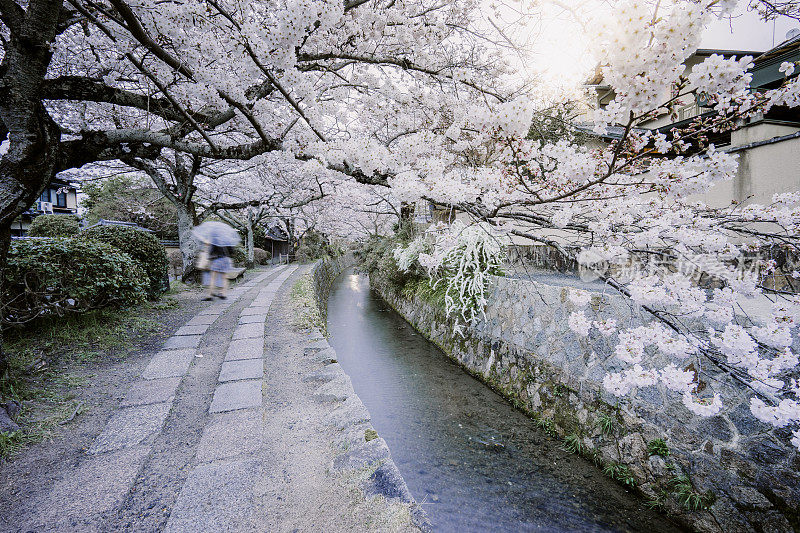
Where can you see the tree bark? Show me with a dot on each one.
(5, 242)
(249, 243)
(187, 243)
(406, 211)
(33, 153)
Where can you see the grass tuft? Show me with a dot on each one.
(574, 444)
(304, 301)
(547, 425)
(606, 424)
(688, 497)
(658, 447)
(619, 472)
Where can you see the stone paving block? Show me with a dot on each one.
(184, 341)
(251, 319)
(387, 481)
(249, 331)
(149, 391)
(259, 310)
(262, 302)
(97, 485)
(267, 293)
(329, 373)
(325, 357)
(245, 369)
(201, 320)
(218, 497)
(363, 455)
(236, 395)
(245, 349)
(231, 434)
(214, 310)
(316, 346)
(130, 426)
(350, 413)
(193, 329)
(169, 364)
(337, 390)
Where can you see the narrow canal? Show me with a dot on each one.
(473, 461)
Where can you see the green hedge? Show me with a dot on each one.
(239, 257)
(54, 226)
(142, 246)
(56, 276)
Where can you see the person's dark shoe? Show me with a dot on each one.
(208, 298)
(222, 297)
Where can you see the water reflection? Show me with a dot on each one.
(474, 462)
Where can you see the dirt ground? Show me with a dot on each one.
(100, 383)
(294, 489)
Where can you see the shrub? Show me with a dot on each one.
(143, 247)
(312, 247)
(372, 252)
(261, 256)
(397, 278)
(239, 256)
(54, 226)
(315, 245)
(56, 276)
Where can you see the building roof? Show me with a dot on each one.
(596, 79)
(727, 53)
(276, 233)
(793, 43)
(766, 71)
(63, 183)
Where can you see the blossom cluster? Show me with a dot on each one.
(462, 258)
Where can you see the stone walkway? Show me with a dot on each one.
(237, 424)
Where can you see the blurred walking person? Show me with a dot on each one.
(215, 258)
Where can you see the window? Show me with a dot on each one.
(61, 199)
(45, 197)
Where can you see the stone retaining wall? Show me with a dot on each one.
(325, 271)
(526, 351)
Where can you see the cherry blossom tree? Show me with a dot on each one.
(269, 187)
(87, 81)
(772, 9)
(92, 81)
(636, 210)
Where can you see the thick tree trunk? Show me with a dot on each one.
(187, 243)
(406, 211)
(32, 157)
(250, 248)
(250, 238)
(34, 138)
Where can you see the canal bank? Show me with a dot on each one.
(723, 473)
(469, 458)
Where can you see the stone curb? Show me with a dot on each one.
(352, 417)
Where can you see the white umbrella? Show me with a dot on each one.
(216, 233)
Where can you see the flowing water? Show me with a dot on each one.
(473, 461)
